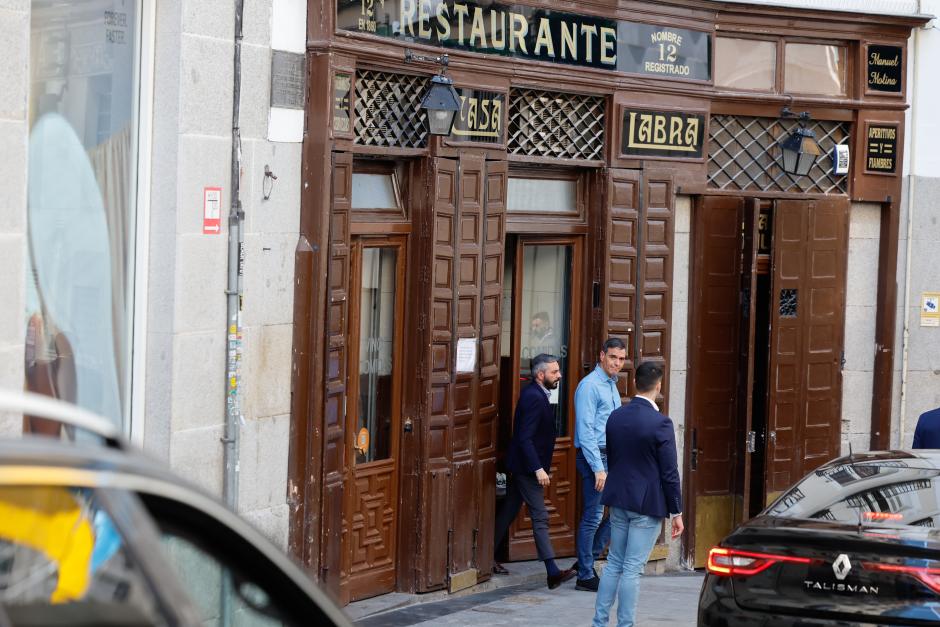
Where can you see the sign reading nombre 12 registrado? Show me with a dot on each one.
(537, 34)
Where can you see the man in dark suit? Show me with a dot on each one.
(927, 433)
(529, 459)
(642, 489)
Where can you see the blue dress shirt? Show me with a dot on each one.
(597, 395)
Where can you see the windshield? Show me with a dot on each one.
(887, 492)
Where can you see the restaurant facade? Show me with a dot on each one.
(614, 169)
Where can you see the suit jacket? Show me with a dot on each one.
(533, 433)
(927, 433)
(643, 472)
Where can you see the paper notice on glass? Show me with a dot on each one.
(930, 309)
(466, 354)
(553, 396)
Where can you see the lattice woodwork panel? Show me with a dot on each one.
(562, 126)
(744, 154)
(388, 110)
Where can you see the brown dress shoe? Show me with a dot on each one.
(560, 578)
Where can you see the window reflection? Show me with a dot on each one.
(80, 203)
(815, 69)
(546, 302)
(376, 353)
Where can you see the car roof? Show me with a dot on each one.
(929, 457)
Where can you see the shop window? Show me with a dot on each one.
(815, 69)
(81, 206)
(745, 63)
(543, 196)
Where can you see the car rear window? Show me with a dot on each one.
(885, 492)
(63, 561)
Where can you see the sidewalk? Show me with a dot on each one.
(521, 598)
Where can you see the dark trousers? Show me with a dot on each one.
(526, 488)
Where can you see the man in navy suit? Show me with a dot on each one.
(927, 433)
(642, 489)
(529, 459)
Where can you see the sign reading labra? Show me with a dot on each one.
(663, 134)
(885, 69)
(480, 118)
(881, 148)
(540, 34)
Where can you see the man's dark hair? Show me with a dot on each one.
(648, 374)
(613, 342)
(543, 316)
(540, 362)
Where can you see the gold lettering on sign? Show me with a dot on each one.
(662, 131)
(479, 117)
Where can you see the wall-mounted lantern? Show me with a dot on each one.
(799, 149)
(440, 101)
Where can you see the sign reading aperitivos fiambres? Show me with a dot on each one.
(538, 34)
(674, 134)
(881, 148)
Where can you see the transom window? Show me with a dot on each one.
(777, 65)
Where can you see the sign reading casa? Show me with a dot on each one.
(480, 118)
(540, 34)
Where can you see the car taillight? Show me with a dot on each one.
(928, 576)
(733, 563)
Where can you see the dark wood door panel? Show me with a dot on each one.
(561, 502)
(620, 258)
(714, 350)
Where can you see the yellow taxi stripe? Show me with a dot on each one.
(50, 521)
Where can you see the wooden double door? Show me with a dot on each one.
(766, 349)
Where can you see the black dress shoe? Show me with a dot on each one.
(556, 580)
(589, 585)
(499, 569)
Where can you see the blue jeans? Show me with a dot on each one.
(593, 533)
(631, 541)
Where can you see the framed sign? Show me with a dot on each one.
(481, 118)
(884, 73)
(667, 134)
(539, 34)
(342, 103)
(881, 148)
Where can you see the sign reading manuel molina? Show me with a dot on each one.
(537, 34)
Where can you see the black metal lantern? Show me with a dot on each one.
(441, 103)
(799, 149)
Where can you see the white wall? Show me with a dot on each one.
(14, 131)
(186, 343)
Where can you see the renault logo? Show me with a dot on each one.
(841, 567)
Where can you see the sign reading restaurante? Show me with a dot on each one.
(538, 34)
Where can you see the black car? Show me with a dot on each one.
(854, 543)
(92, 533)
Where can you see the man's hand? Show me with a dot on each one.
(677, 527)
(600, 478)
(542, 476)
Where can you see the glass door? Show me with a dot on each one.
(542, 294)
(373, 415)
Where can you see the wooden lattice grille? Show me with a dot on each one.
(744, 154)
(561, 126)
(388, 110)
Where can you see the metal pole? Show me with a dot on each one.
(233, 294)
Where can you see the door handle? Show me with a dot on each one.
(693, 456)
(751, 441)
(773, 437)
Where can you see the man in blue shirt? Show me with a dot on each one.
(927, 433)
(597, 395)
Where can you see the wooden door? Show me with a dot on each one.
(714, 347)
(373, 416)
(547, 281)
(810, 246)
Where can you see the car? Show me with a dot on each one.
(94, 533)
(855, 542)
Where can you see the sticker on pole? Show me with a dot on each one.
(930, 309)
(212, 211)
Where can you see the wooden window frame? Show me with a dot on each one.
(367, 221)
(569, 222)
(753, 37)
